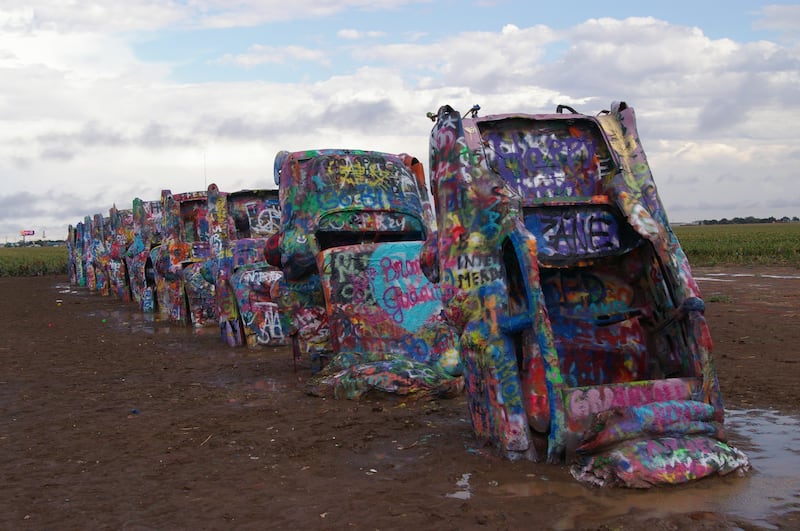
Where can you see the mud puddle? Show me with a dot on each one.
(770, 489)
(125, 320)
(65, 289)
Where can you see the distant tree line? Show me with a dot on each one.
(748, 219)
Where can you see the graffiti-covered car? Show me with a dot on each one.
(240, 225)
(184, 242)
(147, 220)
(352, 226)
(86, 258)
(97, 255)
(118, 238)
(580, 322)
(75, 255)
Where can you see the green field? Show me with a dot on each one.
(756, 244)
(705, 245)
(32, 261)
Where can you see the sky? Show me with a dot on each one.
(105, 101)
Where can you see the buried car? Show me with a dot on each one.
(118, 238)
(97, 255)
(184, 242)
(87, 251)
(147, 220)
(582, 329)
(75, 262)
(352, 226)
(240, 225)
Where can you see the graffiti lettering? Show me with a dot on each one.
(469, 261)
(357, 291)
(270, 324)
(396, 299)
(583, 403)
(148, 303)
(377, 221)
(257, 278)
(470, 279)
(349, 265)
(490, 219)
(362, 221)
(554, 164)
(395, 269)
(360, 170)
(576, 233)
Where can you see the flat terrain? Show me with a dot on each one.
(109, 421)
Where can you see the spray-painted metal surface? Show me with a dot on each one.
(76, 265)
(579, 318)
(87, 248)
(147, 221)
(241, 224)
(200, 294)
(184, 242)
(98, 256)
(352, 225)
(304, 318)
(118, 238)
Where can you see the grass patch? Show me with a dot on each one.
(763, 244)
(32, 261)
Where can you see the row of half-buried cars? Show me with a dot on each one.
(190, 258)
(545, 282)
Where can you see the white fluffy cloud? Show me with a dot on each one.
(148, 15)
(87, 123)
(259, 54)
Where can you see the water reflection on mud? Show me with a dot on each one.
(137, 322)
(66, 289)
(463, 492)
(771, 488)
(772, 441)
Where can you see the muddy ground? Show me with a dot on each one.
(110, 421)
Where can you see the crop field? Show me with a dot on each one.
(32, 261)
(776, 244)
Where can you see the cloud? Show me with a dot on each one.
(108, 15)
(46, 212)
(259, 54)
(485, 61)
(782, 18)
(366, 116)
(67, 145)
(19, 204)
(116, 16)
(354, 35)
(718, 117)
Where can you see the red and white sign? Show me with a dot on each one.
(26, 233)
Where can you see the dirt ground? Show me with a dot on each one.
(110, 421)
